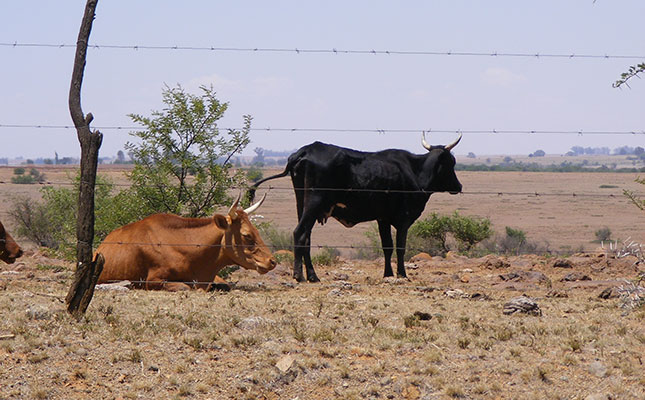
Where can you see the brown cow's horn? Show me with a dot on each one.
(453, 144)
(231, 211)
(255, 206)
(424, 143)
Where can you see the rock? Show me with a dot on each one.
(335, 292)
(599, 396)
(285, 363)
(422, 316)
(522, 304)
(341, 277)
(609, 293)
(575, 276)
(411, 265)
(251, 323)
(421, 257)
(598, 369)
(479, 296)
(38, 313)
(425, 289)
(495, 263)
(454, 293)
(122, 286)
(557, 294)
(526, 276)
(562, 263)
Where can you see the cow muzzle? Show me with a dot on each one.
(264, 269)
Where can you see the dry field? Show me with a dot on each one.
(354, 335)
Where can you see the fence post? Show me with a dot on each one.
(87, 270)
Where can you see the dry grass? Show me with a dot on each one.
(363, 340)
(360, 339)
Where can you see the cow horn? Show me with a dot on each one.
(424, 143)
(231, 211)
(255, 206)
(453, 144)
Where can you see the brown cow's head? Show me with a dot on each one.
(9, 249)
(243, 242)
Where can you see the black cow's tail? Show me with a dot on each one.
(250, 194)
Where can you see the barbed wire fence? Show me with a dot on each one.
(338, 51)
(285, 50)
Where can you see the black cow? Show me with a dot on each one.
(389, 186)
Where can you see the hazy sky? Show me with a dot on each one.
(341, 91)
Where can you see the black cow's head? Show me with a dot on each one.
(440, 166)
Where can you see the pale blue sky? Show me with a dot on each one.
(288, 90)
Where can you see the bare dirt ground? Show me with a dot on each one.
(439, 335)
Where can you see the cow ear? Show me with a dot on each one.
(221, 221)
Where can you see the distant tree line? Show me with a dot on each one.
(619, 151)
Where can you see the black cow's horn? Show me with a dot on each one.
(255, 206)
(453, 144)
(424, 143)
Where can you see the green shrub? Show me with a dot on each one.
(254, 173)
(23, 179)
(275, 238)
(603, 234)
(434, 232)
(468, 231)
(514, 242)
(52, 221)
(370, 250)
(327, 256)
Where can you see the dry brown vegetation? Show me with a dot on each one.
(439, 335)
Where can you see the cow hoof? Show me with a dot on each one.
(299, 278)
(313, 279)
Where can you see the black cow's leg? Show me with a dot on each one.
(385, 232)
(309, 266)
(401, 237)
(302, 247)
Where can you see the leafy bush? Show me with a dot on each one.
(33, 177)
(603, 234)
(514, 242)
(275, 238)
(434, 230)
(181, 159)
(634, 198)
(431, 235)
(468, 231)
(370, 250)
(52, 222)
(254, 174)
(327, 256)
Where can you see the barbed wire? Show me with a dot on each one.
(333, 51)
(359, 190)
(580, 132)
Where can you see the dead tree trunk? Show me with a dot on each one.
(87, 270)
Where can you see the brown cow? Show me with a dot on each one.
(9, 249)
(165, 251)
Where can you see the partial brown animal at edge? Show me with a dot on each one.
(9, 249)
(169, 252)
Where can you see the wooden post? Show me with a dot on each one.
(87, 270)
